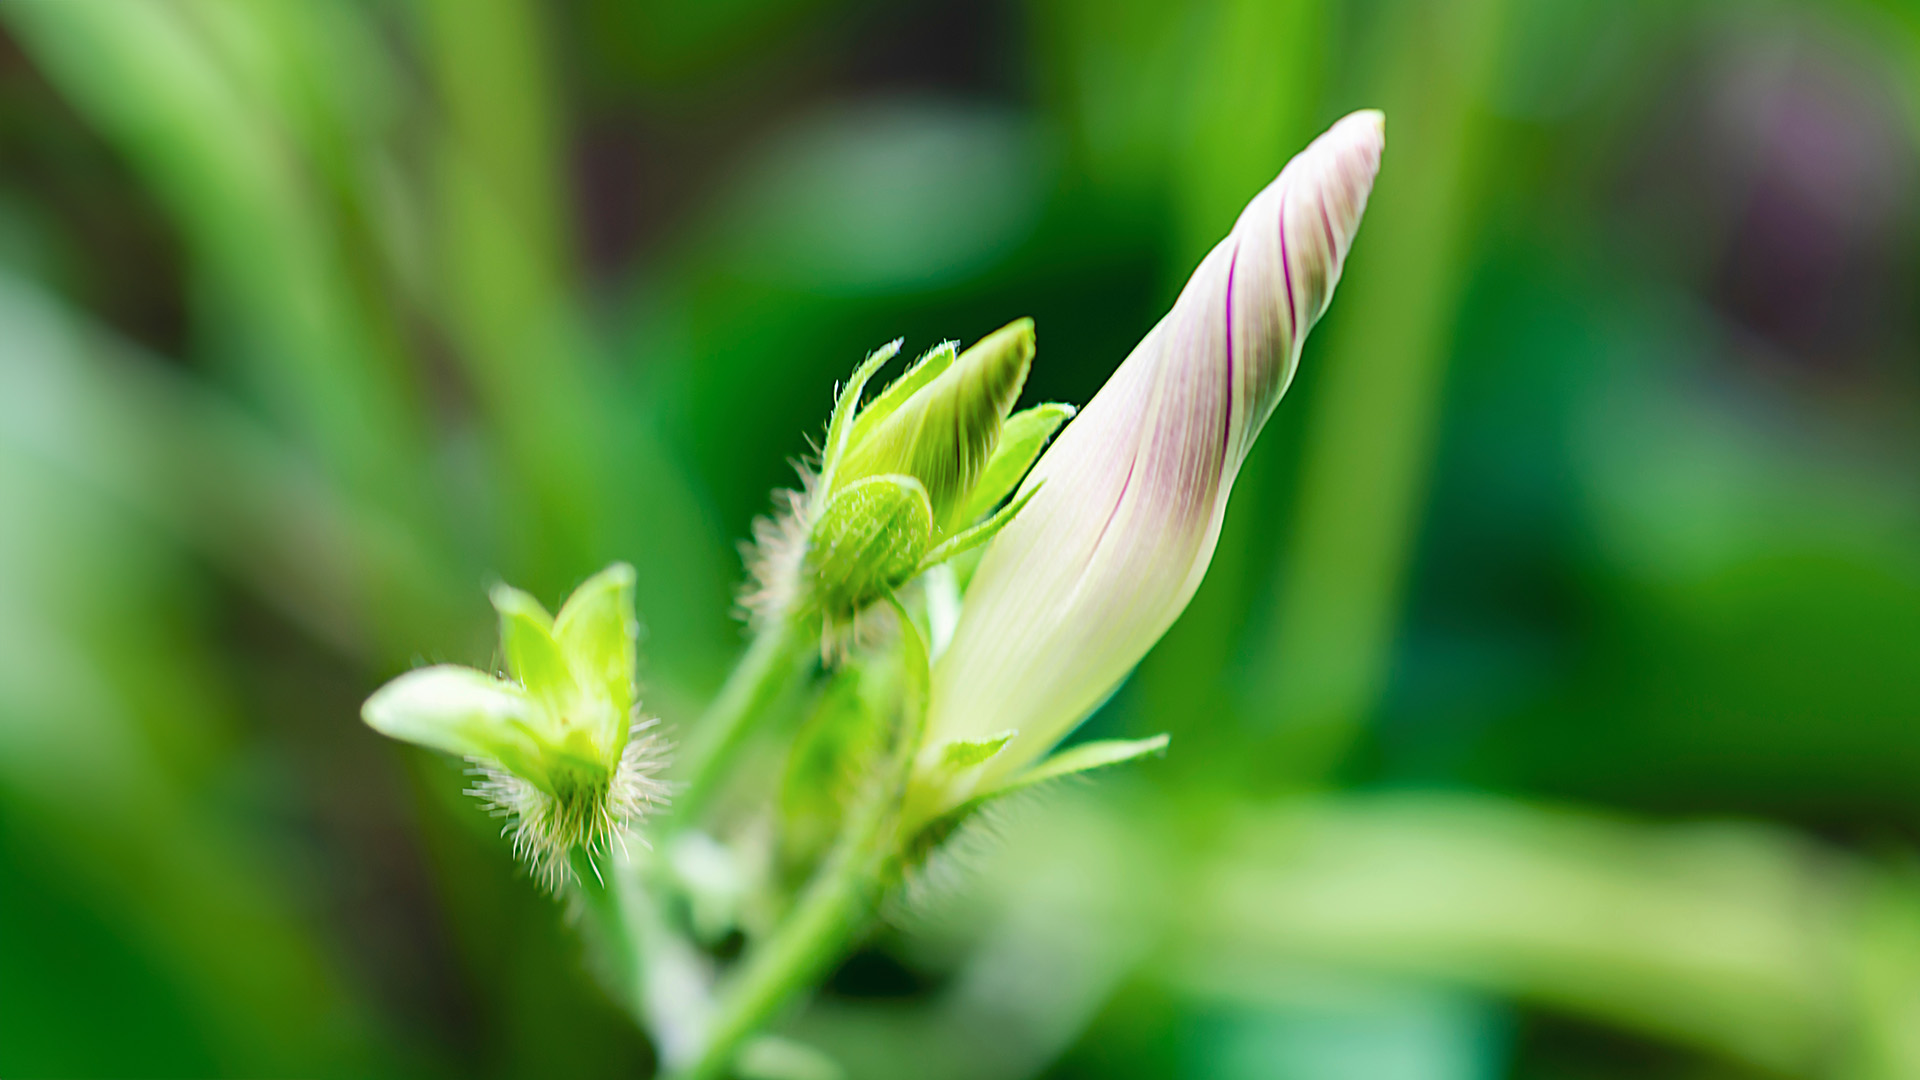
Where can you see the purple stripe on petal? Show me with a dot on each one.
(1333, 246)
(1226, 424)
(1286, 265)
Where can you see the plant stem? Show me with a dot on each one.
(768, 668)
(600, 905)
(832, 912)
(838, 903)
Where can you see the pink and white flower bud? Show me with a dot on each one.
(1130, 497)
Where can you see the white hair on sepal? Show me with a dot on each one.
(545, 829)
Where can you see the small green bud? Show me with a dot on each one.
(555, 741)
(869, 540)
(904, 481)
(944, 432)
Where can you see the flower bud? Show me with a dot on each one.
(556, 740)
(1106, 555)
(945, 432)
(904, 482)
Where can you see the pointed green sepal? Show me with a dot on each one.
(940, 827)
(458, 710)
(598, 635)
(1025, 435)
(532, 655)
(869, 540)
(974, 537)
(1079, 759)
(966, 753)
(847, 404)
(929, 367)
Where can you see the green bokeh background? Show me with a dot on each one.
(1551, 709)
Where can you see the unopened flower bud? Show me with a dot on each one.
(944, 433)
(561, 754)
(904, 482)
(1076, 590)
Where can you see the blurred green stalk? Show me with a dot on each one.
(1369, 443)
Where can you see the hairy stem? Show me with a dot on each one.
(778, 655)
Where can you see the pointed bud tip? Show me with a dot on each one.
(1363, 133)
(1012, 345)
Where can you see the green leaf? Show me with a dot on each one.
(597, 634)
(533, 657)
(840, 427)
(1025, 435)
(966, 753)
(1082, 758)
(977, 535)
(869, 540)
(460, 711)
(924, 370)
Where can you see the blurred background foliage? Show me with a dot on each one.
(1552, 708)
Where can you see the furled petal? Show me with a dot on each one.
(460, 711)
(1110, 550)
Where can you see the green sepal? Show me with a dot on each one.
(840, 426)
(869, 540)
(931, 365)
(1021, 440)
(533, 657)
(1070, 762)
(458, 710)
(966, 753)
(1085, 757)
(974, 537)
(598, 635)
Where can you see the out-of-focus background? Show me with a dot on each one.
(1552, 707)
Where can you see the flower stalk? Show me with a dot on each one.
(779, 655)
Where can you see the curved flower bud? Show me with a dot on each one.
(556, 742)
(1076, 590)
(902, 482)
